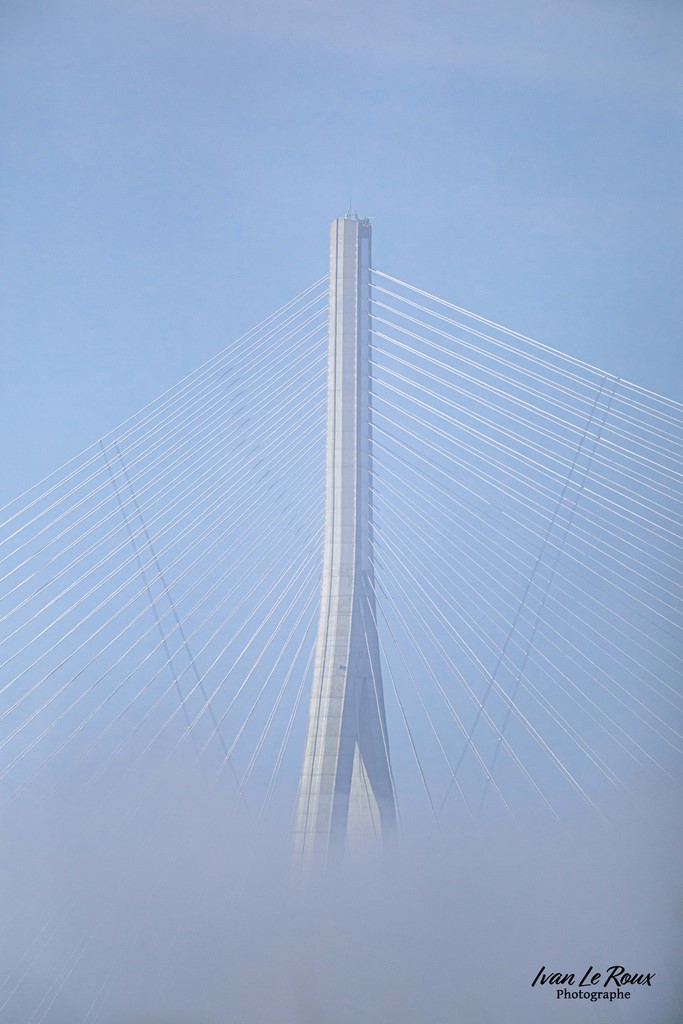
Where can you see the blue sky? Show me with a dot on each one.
(171, 168)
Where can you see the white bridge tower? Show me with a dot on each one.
(346, 793)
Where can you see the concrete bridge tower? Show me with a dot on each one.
(346, 793)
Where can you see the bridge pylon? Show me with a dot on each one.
(346, 794)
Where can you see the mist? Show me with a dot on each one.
(189, 913)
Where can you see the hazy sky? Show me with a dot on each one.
(446, 932)
(170, 168)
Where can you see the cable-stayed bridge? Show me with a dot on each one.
(161, 593)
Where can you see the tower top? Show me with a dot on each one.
(363, 221)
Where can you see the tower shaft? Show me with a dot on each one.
(346, 791)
